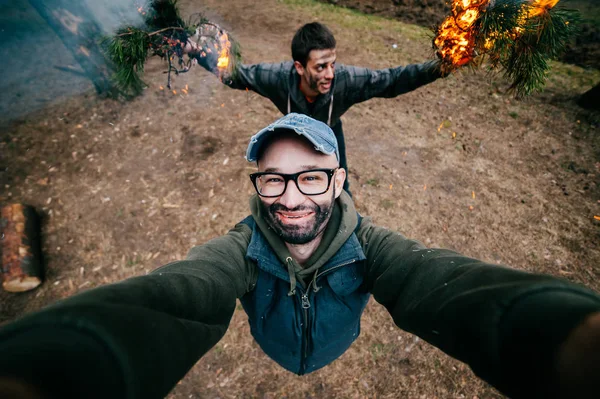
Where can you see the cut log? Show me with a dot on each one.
(21, 252)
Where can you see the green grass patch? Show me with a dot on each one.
(373, 182)
(387, 204)
(572, 76)
(358, 22)
(379, 350)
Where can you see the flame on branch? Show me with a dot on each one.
(541, 6)
(519, 35)
(456, 35)
(214, 49)
(165, 34)
(223, 61)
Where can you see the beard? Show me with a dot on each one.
(299, 234)
(313, 83)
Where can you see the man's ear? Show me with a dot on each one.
(340, 178)
(299, 68)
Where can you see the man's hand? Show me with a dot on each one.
(206, 55)
(578, 361)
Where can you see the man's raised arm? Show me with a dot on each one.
(133, 339)
(362, 84)
(520, 332)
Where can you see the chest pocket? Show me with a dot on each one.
(347, 280)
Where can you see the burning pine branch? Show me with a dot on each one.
(520, 36)
(167, 35)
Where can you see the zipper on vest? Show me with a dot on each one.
(305, 331)
(304, 297)
(305, 302)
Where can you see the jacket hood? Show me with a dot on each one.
(340, 227)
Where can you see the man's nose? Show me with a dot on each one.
(329, 72)
(292, 197)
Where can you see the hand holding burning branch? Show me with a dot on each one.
(212, 49)
(518, 35)
(166, 35)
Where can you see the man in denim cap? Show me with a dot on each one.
(304, 265)
(312, 83)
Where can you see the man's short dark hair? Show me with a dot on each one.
(312, 36)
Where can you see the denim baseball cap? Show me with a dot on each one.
(318, 133)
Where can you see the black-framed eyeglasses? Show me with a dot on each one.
(309, 182)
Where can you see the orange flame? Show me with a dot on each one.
(456, 36)
(539, 7)
(225, 45)
(456, 39)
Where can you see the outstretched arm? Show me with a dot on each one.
(268, 80)
(515, 329)
(133, 339)
(363, 84)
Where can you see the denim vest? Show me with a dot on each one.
(312, 328)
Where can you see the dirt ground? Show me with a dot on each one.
(460, 164)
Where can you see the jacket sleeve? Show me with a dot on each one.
(364, 84)
(506, 324)
(268, 80)
(133, 339)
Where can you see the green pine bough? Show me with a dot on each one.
(519, 37)
(166, 35)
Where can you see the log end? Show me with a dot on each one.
(21, 284)
(21, 268)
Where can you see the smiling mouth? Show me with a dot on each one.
(293, 217)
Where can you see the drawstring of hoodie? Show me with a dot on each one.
(289, 107)
(314, 282)
(292, 273)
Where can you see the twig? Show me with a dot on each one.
(187, 67)
(171, 28)
(164, 29)
(169, 71)
(152, 33)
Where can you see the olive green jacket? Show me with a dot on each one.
(139, 337)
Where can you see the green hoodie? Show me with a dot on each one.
(139, 337)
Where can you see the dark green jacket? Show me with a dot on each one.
(139, 337)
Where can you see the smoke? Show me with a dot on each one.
(39, 67)
(110, 15)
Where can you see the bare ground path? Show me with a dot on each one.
(127, 187)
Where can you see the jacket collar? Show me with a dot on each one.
(298, 96)
(339, 246)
